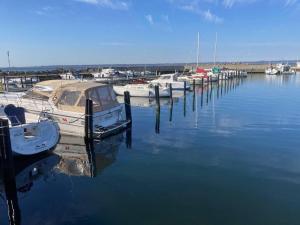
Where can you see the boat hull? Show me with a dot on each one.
(141, 92)
(34, 138)
(70, 123)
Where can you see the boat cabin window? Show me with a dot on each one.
(103, 98)
(69, 98)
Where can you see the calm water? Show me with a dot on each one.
(227, 157)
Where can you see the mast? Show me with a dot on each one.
(215, 53)
(198, 49)
(5, 80)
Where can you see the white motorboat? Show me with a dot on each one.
(272, 71)
(201, 76)
(167, 79)
(68, 76)
(64, 102)
(29, 138)
(142, 90)
(279, 69)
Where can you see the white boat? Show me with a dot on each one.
(271, 71)
(64, 102)
(29, 138)
(279, 69)
(68, 76)
(142, 90)
(167, 79)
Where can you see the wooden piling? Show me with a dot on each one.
(8, 174)
(128, 107)
(194, 85)
(157, 97)
(171, 91)
(89, 119)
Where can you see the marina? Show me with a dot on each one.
(174, 112)
(170, 161)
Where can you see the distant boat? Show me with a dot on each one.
(167, 79)
(29, 138)
(142, 90)
(279, 69)
(69, 76)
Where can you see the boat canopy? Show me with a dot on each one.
(71, 95)
(216, 70)
(200, 70)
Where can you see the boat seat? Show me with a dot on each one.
(16, 115)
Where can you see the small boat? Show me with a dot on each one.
(201, 76)
(69, 76)
(167, 79)
(280, 69)
(142, 90)
(64, 102)
(29, 138)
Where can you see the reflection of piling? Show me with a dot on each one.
(91, 157)
(157, 97)
(171, 111)
(129, 138)
(157, 122)
(88, 119)
(128, 108)
(8, 174)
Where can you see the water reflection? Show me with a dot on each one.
(73, 156)
(87, 158)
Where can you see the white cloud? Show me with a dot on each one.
(44, 11)
(231, 3)
(113, 4)
(150, 20)
(194, 6)
(211, 17)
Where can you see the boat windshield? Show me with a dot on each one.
(103, 98)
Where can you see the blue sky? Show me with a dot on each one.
(55, 32)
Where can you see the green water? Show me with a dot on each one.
(229, 156)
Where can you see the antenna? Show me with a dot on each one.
(8, 59)
(215, 54)
(198, 48)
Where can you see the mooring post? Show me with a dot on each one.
(157, 97)
(128, 107)
(194, 85)
(8, 174)
(22, 83)
(184, 88)
(89, 119)
(171, 91)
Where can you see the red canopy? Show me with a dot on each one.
(200, 70)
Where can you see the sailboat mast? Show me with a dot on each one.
(215, 53)
(198, 49)
(8, 59)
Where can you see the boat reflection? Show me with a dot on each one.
(147, 102)
(81, 158)
(73, 156)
